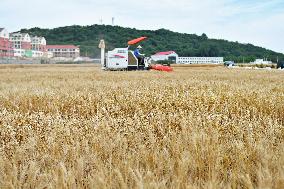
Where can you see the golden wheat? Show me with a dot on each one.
(80, 127)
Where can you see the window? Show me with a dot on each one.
(121, 51)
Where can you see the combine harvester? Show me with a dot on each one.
(124, 59)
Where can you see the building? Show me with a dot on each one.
(66, 51)
(21, 41)
(162, 56)
(21, 44)
(38, 44)
(173, 57)
(200, 60)
(261, 61)
(6, 49)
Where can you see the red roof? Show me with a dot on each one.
(62, 47)
(165, 53)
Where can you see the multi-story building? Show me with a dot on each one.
(6, 49)
(21, 44)
(38, 46)
(261, 61)
(66, 51)
(200, 60)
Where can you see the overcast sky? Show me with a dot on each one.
(260, 22)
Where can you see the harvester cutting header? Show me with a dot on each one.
(125, 59)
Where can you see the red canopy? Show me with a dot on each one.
(135, 41)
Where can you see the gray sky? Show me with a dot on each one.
(259, 22)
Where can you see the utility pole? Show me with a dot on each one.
(112, 21)
(277, 59)
(101, 21)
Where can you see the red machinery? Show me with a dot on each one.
(160, 67)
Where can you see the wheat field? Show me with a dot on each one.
(80, 127)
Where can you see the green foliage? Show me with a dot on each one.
(88, 38)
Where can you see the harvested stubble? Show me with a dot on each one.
(80, 127)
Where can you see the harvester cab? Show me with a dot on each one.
(124, 58)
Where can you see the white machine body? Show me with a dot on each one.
(117, 59)
(122, 59)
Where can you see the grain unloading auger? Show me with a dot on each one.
(125, 59)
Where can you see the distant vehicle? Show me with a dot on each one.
(280, 65)
(229, 63)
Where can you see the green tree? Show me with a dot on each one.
(184, 44)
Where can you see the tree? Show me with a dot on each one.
(184, 44)
(204, 37)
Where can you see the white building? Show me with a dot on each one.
(169, 55)
(261, 61)
(49, 54)
(4, 33)
(39, 48)
(37, 54)
(38, 44)
(200, 60)
(173, 56)
(21, 40)
(65, 51)
(6, 49)
(21, 43)
(19, 52)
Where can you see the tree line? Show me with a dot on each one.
(88, 37)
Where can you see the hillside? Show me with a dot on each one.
(88, 38)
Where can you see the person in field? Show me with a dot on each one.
(139, 56)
